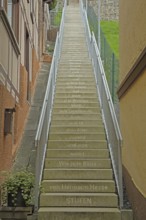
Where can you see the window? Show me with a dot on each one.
(15, 20)
(8, 123)
(10, 11)
(13, 16)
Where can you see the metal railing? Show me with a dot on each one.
(108, 56)
(41, 138)
(109, 117)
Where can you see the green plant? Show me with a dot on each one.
(52, 4)
(57, 18)
(22, 181)
(111, 31)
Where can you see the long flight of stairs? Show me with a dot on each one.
(78, 181)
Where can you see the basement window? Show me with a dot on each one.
(8, 121)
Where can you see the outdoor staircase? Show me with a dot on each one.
(78, 182)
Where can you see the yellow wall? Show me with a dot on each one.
(133, 103)
(132, 33)
(133, 125)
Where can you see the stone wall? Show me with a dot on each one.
(109, 9)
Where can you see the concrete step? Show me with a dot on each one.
(74, 72)
(78, 174)
(77, 136)
(75, 50)
(76, 111)
(77, 105)
(75, 100)
(78, 186)
(69, 45)
(78, 122)
(74, 79)
(84, 116)
(74, 61)
(80, 43)
(74, 39)
(77, 66)
(76, 213)
(73, 69)
(78, 199)
(76, 87)
(78, 83)
(76, 95)
(78, 144)
(77, 163)
(78, 56)
(73, 129)
(74, 153)
(62, 74)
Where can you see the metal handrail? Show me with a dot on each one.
(41, 137)
(108, 113)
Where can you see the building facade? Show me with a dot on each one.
(23, 32)
(132, 95)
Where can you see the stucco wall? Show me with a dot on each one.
(133, 103)
(133, 125)
(132, 33)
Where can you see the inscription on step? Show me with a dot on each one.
(79, 201)
(76, 100)
(78, 164)
(77, 96)
(80, 111)
(77, 129)
(78, 188)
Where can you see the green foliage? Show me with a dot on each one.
(111, 32)
(22, 180)
(57, 18)
(52, 4)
